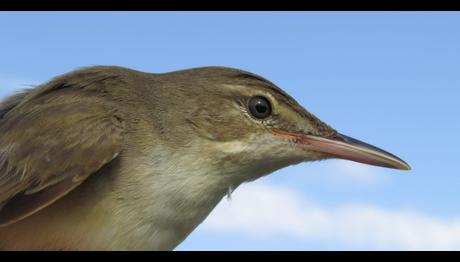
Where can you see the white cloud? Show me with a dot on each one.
(262, 210)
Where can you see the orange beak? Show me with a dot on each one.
(344, 147)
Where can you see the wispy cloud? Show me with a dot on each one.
(262, 210)
(348, 172)
(336, 173)
(8, 85)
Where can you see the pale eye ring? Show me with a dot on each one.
(259, 107)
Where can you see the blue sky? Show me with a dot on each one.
(388, 78)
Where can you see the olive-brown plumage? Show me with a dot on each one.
(108, 158)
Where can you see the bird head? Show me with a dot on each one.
(249, 125)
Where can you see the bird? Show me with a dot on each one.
(112, 158)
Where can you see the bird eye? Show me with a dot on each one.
(259, 107)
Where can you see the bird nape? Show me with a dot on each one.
(109, 158)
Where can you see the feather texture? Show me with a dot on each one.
(51, 140)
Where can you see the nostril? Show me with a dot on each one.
(338, 137)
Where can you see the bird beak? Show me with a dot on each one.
(344, 147)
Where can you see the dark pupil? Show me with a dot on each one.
(261, 108)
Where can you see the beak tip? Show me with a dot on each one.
(405, 166)
(399, 164)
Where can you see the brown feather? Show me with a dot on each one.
(50, 142)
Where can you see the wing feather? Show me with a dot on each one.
(50, 145)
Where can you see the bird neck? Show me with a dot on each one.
(168, 194)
